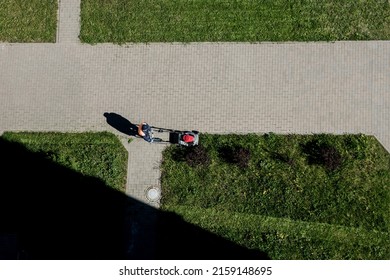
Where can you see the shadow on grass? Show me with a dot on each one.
(121, 124)
(50, 212)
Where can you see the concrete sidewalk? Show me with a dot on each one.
(288, 88)
(68, 24)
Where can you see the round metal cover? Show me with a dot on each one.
(153, 193)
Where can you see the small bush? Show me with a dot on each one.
(236, 155)
(322, 154)
(179, 153)
(196, 156)
(331, 157)
(241, 157)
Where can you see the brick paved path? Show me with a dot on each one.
(338, 87)
(303, 88)
(68, 24)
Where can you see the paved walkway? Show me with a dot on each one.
(68, 25)
(338, 87)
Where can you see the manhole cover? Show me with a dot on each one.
(153, 193)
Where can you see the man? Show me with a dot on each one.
(145, 132)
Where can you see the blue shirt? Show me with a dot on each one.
(148, 133)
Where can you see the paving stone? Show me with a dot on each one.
(319, 88)
(68, 24)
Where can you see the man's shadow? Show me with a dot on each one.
(121, 124)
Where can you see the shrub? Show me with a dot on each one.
(241, 157)
(196, 156)
(236, 155)
(322, 154)
(331, 157)
(179, 153)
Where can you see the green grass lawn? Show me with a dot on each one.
(29, 21)
(99, 155)
(291, 196)
(233, 20)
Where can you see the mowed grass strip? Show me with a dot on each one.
(32, 21)
(233, 20)
(99, 155)
(279, 180)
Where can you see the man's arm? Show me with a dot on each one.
(140, 132)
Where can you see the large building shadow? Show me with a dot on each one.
(50, 212)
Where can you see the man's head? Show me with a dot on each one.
(145, 126)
